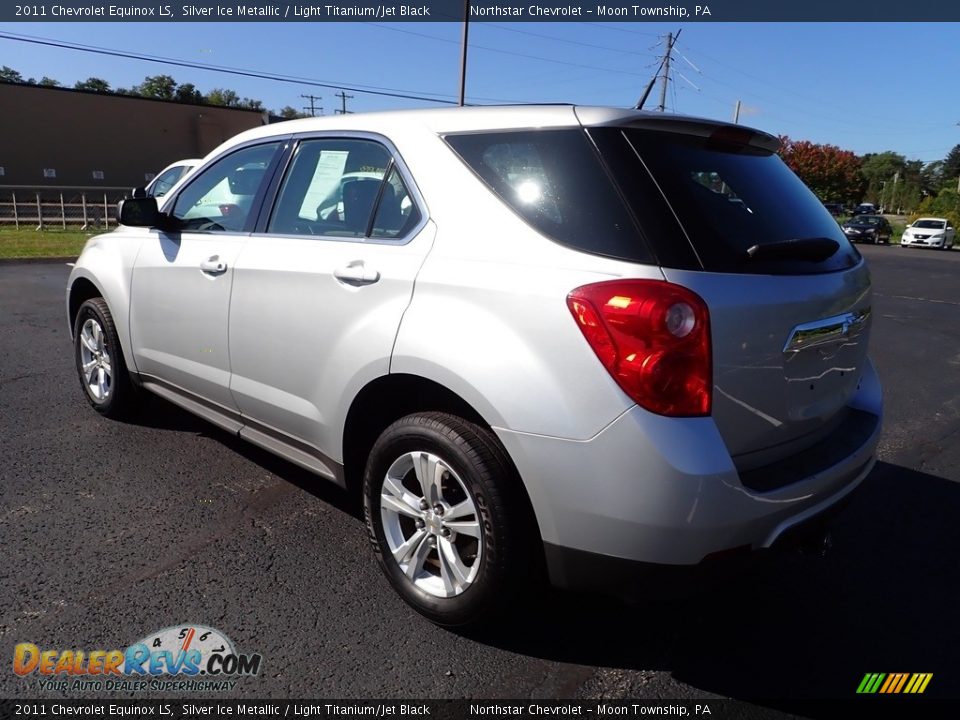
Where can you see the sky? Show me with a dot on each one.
(867, 87)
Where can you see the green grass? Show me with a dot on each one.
(29, 243)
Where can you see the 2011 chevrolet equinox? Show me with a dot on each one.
(563, 336)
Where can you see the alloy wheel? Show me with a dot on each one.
(95, 361)
(431, 524)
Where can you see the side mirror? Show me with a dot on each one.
(138, 212)
(138, 192)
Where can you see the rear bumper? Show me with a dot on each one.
(582, 571)
(665, 491)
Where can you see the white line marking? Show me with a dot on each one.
(907, 297)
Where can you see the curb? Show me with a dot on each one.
(38, 260)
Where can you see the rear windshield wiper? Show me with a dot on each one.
(811, 249)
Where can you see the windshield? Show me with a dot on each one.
(930, 224)
(867, 220)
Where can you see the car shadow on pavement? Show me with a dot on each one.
(785, 628)
(800, 627)
(160, 414)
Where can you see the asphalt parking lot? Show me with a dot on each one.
(110, 531)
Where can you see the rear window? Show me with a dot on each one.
(554, 180)
(729, 197)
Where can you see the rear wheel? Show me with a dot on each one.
(99, 359)
(443, 518)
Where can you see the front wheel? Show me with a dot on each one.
(442, 513)
(99, 359)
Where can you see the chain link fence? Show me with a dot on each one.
(23, 206)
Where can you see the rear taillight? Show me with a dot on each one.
(654, 339)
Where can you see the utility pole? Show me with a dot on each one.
(664, 64)
(463, 51)
(666, 73)
(736, 113)
(313, 109)
(343, 103)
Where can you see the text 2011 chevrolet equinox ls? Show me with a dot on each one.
(565, 337)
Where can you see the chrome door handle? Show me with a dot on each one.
(213, 266)
(356, 273)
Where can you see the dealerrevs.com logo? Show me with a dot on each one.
(180, 658)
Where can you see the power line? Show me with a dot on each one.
(440, 98)
(618, 29)
(554, 38)
(506, 52)
(780, 86)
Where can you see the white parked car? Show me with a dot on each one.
(579, 340)
(170, 176)
(929, 232)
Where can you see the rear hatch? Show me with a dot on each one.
(788, 295)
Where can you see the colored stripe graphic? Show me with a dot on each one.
(870, 683)
(894, 683)
(903, 679)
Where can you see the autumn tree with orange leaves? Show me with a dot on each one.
(833, 174)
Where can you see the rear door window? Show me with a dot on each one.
(554, 180)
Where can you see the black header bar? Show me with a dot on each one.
(854, 11)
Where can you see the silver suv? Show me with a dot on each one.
(583, 340)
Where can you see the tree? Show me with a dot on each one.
(188, 93)
(932, 177)
(219, 96)
(160, 87)
(945, 204)
(833, 174)
(290, 113)
(250, 104)
(8, 74)
(951, 165)
(48, 82)
(904, 195)
(94, 84)
(879, 171)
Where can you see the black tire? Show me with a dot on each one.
(479, 466)
(118, 400)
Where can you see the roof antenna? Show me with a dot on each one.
(671, 41)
